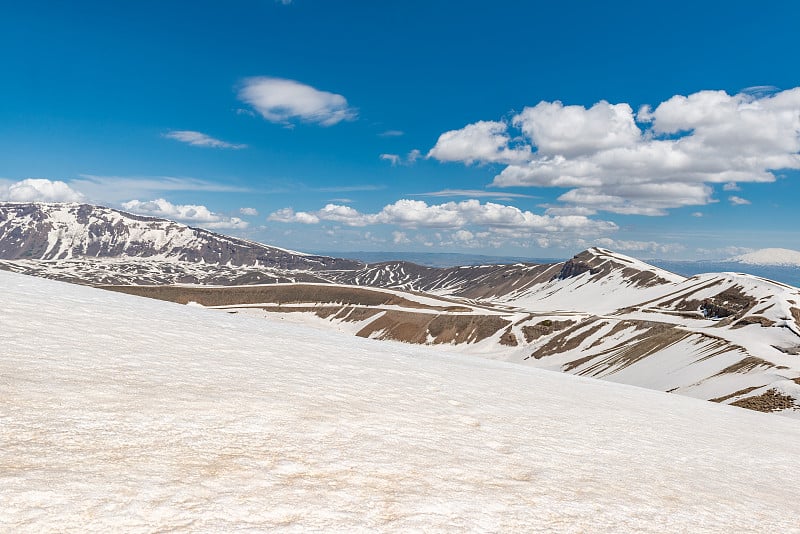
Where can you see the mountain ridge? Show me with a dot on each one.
(728, 337)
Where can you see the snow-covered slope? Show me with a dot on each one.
(121, 413)
(770, 256)
(595, 281)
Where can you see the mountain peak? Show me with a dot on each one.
(600, 262)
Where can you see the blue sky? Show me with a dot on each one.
(504, 128)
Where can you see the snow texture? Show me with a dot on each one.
(121, 413)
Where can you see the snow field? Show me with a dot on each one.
(121, 413)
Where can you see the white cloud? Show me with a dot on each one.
(394, 159)
(391, 133)
(556, 129)
(569, 210)
(611, 159)
(464, 236)
(252, 212)
(39, 190)
(281, 101)
(400, 238)
(738, 201)
(503, 219)
(731, 186)
(200, 139)
(697, 214)
(288, 215)
(189, 213)
(232, 223)
(483, 142)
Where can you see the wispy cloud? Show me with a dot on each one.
(251, 212)
(116, 189)
(396, 159)
(282, 101)
(193, 138)
(391, 133)
(738, 201)
(474, 193)
(348, 188)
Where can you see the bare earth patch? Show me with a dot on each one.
(746, 364)
(770, 401)
(544, 328)
(438, 329)
(281, 294)
(744, 391)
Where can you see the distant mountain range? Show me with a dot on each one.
(727, 337)
(767, 266)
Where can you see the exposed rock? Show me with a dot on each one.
(544, 328)
(508, 338)
(770, 401)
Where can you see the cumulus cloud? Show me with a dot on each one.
(252, 212)
(189, 213)
(570, 131)
(610, 158)
(288, 215)
(481, 142)
(200, 139)
(499, 218)
(39, 190)
(282, 101)
(738, 201)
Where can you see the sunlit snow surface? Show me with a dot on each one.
(119, 413)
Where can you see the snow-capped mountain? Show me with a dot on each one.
(97, 245)
(42, 231)
(162, 417)
(770, 256)
(732, 338)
